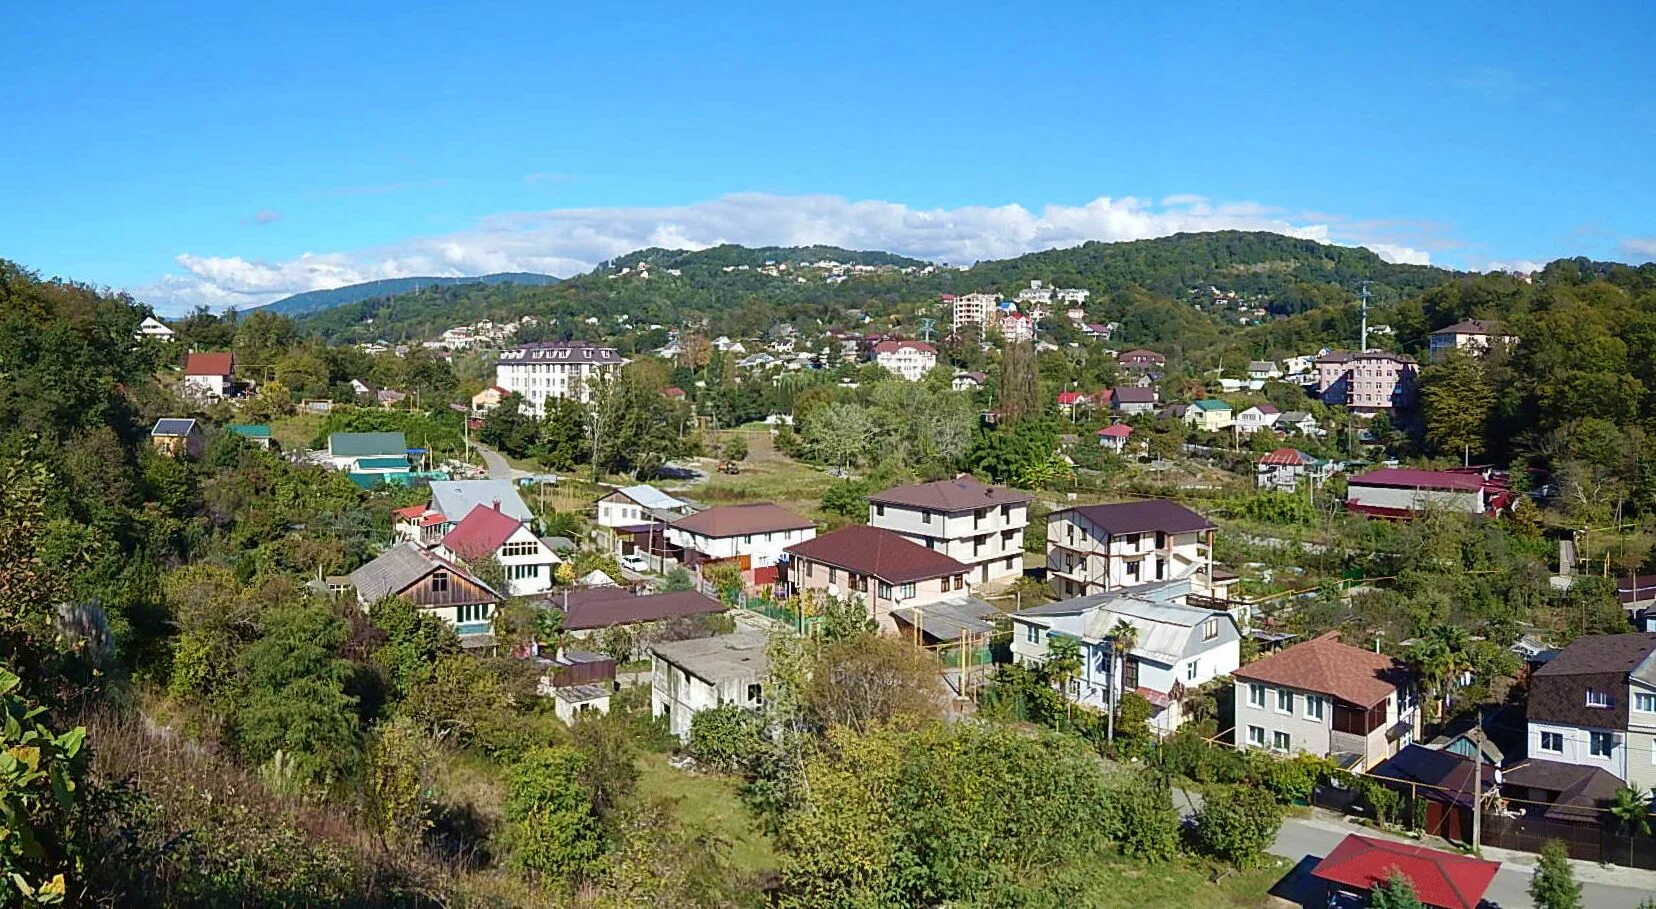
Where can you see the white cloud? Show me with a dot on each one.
(569, 241)
(1641, 247)
(263, 216)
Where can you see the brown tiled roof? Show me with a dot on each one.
(209, 364)
(1148, 515)
(739, 520)
(1326, 666)
(1558, 690)
(604, 607)
(878, 552)
(1470, 327)
(1129, 394)
(963, 493)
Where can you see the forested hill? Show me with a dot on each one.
(317, 300)
(1155, 282)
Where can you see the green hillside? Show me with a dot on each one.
(317, 300)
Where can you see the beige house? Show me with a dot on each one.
(1104, 548)
(875, 566)
(1329, 699)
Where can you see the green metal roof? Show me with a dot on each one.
(386, 463)
(1211, 404)
(367, 444)
(250, 430)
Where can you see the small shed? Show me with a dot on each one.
(1443, 880)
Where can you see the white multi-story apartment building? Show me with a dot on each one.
(973, 309)
(1329, 699)
(1104, 548)
(553, 369)
(909, 359)
(980, 526)
(1176, 646)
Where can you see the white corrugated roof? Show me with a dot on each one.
(651, 497)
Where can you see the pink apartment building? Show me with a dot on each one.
(1368, 382)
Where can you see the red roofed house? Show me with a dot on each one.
(875, 566)
(1071, 401)
(1329, 699)
(487, 399)
(1115, 436)
(1283, 469)
(1142, 359)
(1443, 880)
(1401, 492)
(210, 374)
(487, 532)
(673, 392)
(909, 359)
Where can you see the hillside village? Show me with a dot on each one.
(1319, 573)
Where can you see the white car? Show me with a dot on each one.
(635, 563)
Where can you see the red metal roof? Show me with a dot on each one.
(210, 364)
(412, 511)
(1441, 879)
(1411, 478)
(481, 533)
(1287, 457)
(894, 346)
(1072, 397)
(878, 552)
(1117, 431)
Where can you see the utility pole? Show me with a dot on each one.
(1477, 785)
(1364, 297)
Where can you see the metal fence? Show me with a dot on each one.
(1586, 841)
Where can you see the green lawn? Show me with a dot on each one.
(712, 803)
(1115, 882)
(296, 432)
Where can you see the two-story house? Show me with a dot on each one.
(630, 506)
(1104, 548)
(687, 677)
(489, 533)
(753, 535)
(1472, 336)
(1285, 468)
(1176, 646)
(878, 567)
(1141, 360)
(979, 525)
(1209, 415)
(1594, 705)
(431, 582)
(451, 501)
(210, 375)
(1330, 699)
(1257, 417)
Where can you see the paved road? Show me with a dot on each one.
(499, 467)
(1305, 840)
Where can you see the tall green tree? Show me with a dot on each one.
(1456, 401)
(1554, 885)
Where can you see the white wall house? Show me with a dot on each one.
(528, 564)
(209, 374)
(1255, 418)
(1105, 548)
(909, 359)
(1473, 336)
(757, 532)
(1397, 492)
(1587, 708)
(553, 369)
(1178, 647)
(687, 677)
(978, 525)
(152, 327)
(630, 506)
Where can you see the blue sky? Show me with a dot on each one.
(227, 155)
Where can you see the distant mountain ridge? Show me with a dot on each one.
(733, 255)
(318, 300)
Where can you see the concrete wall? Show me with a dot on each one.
(1414, 499)
(1306, 733)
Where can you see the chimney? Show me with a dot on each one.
(496, 504)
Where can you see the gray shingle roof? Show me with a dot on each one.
(173, 426)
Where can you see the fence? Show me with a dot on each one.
(1587, 841)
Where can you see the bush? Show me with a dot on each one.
(1292, 780)
(550, 825)
(1238, 824)
(728, 738)
(1145, 823)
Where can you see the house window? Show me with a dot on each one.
(1131, 541)
(1256, 695)
(1256, 736)
(1601, 744)
(1190, 671)
(810, 569)
(1133, 570)
(833, 575)
(1032, 634)
(753, 694)
(960, 582)
(1210, 629)
(907, 592)
(1285, 702)
(1313, 707)
(879, 510)
(1280, 741)
(439, 581)
(1598, 698)
(748, 538)
(520, 548)
(1552, 741)
(885, 591)
(925, 517)
(1644, 702)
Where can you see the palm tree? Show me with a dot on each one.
(1062, 663)
(1432, 660)
(1632, 813)
(549, 630)
(1123, 637)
